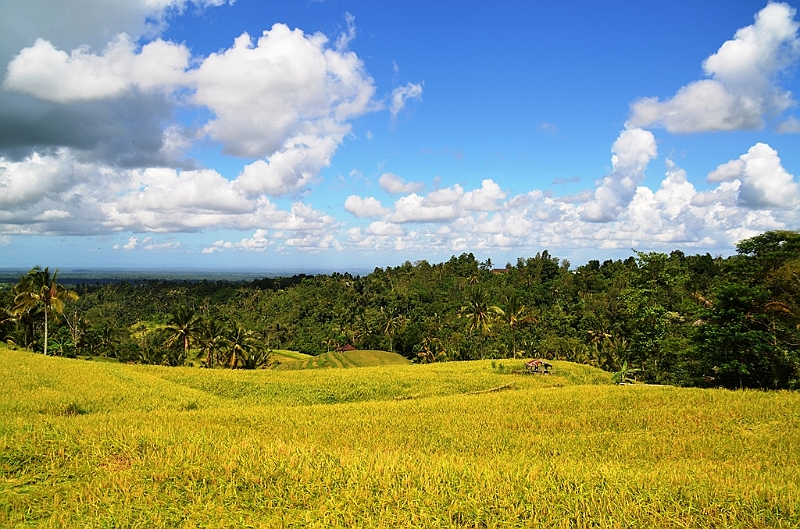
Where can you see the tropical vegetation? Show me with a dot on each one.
(692, 320)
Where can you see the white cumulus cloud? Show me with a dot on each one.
(413, 208)
(391, 183)
(47, 73)
(742, 90)
(487, 198)
(130, 245)
(364, 207)
(285, 99)
(259, 242)
(764, 183)
(633, 151)
(291, 168)
(59, 194)
(286, 84)
(385, 228)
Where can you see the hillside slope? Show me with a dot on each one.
(346, 359)
(468, 444)
(35, 383)
(283, 356)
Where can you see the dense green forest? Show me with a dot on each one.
(671, 318)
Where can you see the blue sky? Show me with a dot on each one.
(343, 134)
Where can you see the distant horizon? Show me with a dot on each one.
(260, 271)
(83, 273)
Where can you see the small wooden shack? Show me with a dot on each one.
(538, 366)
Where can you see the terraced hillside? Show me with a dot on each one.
(283, 356)
(348, 359)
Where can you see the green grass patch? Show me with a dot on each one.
(365, 358)
(292, 354)
(99, 359)
(283, 356)
(88, 444)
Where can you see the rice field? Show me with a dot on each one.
(89, 444)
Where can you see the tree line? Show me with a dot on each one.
(693, 320)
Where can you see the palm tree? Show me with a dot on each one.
(184, 326)
(9, 316)
(355, 331)
(244, 351)
(478, 315)
(514, 315)
(40, 290)
(433, 349)
(211, 338)
(392, 321)
(254, 357)
(240, 345)
(610, 350)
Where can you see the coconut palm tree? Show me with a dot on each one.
(610, 350)
(243, 350)
(432, 349)
(211, 338)
(184, 325)
(513, 315)
(39, 290)
(240, 344)
(391, 323)
(254, 357)
(478, 315)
